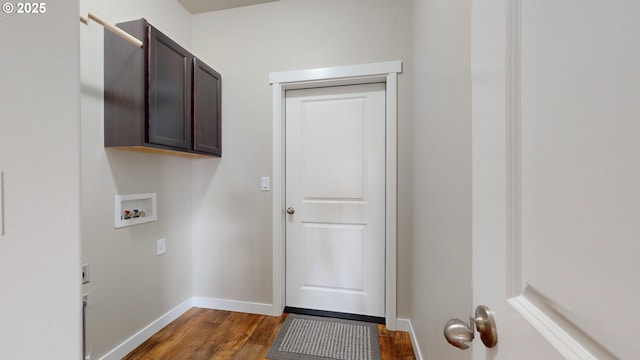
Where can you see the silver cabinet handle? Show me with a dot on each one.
(291, 211)
(458, 333)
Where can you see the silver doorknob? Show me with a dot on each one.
(291, 211)
(458, 333)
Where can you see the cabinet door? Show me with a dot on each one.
(170, 77)
(206, 109)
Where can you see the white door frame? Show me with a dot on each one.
(385, 72)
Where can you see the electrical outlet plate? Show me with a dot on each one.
(161, 246)
(85, 273)
(265, 183)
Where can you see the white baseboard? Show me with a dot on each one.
(141, 336)
(405, 325)
(233, 305)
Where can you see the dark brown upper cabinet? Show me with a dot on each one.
(206, 106)
(160, 98)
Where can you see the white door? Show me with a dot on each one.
(335, 187)
(556, 241)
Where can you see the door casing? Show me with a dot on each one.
(385, 72)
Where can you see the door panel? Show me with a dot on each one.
(207, 109)
(332, 130)
(344, 244)
(335, 180)
(580, 131)
(170, 76)
(560, 229)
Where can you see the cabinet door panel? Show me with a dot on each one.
(170, 76)
(206, 109)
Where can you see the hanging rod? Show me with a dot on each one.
(116, 30)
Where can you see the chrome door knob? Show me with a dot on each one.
(291, 211)
(458, 333)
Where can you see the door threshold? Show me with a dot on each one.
(335, 314)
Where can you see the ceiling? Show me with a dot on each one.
(200, 6)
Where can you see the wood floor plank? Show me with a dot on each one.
(265, 330)
(204, 334)
(272, 336)
(238, 330)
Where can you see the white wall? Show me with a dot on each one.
(40, 301)
(232, 228)
(130, 286)
(441, 247)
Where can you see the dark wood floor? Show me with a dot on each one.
(201, 334)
